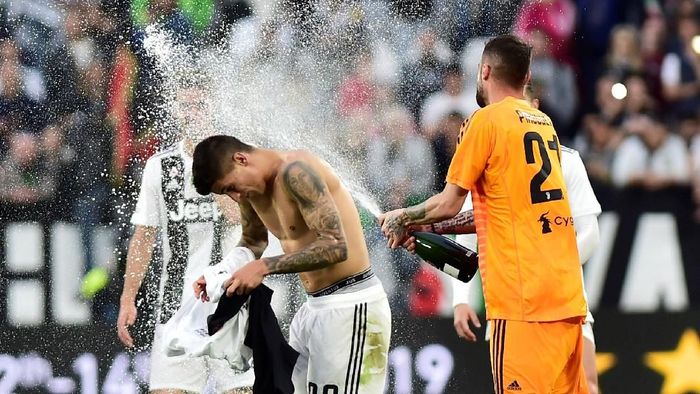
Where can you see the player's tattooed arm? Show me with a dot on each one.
(306, 187)
(463, 223)
(442, 206)
(396, 224)
(254, 236)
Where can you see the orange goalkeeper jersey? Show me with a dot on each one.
(508, 157)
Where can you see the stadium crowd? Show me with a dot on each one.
(79, 95)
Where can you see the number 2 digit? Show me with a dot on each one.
(537, 195)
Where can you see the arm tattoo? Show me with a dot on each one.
(308, 190)
(254, 236)
(397, 224)
(463, 223)
(416, 212)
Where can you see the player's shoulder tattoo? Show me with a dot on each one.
(302, 183)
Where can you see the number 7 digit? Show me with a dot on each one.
(537, 195)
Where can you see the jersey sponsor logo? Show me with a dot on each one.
(514, 386)
(546, 223)
(194, 210)
(558, 221)
(564, 221)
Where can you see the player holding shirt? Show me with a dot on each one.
(508, 157)
(343, 330)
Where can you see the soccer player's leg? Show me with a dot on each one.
(349, 348)
(299, 340)
(536, 357)
(589, 358)
(573, 377)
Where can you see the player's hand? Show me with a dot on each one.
(200, 289)
(127, 317)
(393, 227)
(410, 242)
(247, 278)
(463, 315)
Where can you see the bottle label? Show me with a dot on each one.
(450, 270)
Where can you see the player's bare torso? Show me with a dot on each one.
(282, 217)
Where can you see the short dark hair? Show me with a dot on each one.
(510, 58)
(211, 158)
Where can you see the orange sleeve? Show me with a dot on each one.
(473, 150)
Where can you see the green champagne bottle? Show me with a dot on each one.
(447, 255)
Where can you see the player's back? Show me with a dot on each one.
(527, 245)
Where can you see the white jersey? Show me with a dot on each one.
(193, 230)
(582, 199)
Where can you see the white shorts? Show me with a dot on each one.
(192, 373)
(343, 341)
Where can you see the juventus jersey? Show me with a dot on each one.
(192, 228)
(582, 200)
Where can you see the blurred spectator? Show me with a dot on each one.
(683, 8)
(362, 127)
(33, 85)
(166, 14)
(356, 92)
(596, 19)
(689, 126)
(424, 75)
(412, 9)
(17, 109)
(452, 98)
(653, 39)
(344, 28)
(444, 143)
(556, 18)
(624, 55)
(425, 293)
(597, 144)
(638, 100)
(28, 173)
(67, 59)
(89, 141)
(609, 107)
(554, 84)
(400, 165)
(651, 157)
(466, 20)
(680, 70)
(695, 165)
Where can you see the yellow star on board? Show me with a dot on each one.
(604, 361)
(680, 366)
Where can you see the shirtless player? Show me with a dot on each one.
(342, 332)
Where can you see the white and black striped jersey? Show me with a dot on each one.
(193, 230)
